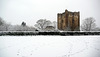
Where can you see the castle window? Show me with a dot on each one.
(72, 14)
(73, 20)
(62, 21)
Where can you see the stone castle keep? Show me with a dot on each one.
(68, 21)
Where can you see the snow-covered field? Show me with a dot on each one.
(49, 46)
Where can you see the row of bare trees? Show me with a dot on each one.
(8, 27)
(88, 24)
(41, 25)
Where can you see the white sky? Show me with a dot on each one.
(16, 11)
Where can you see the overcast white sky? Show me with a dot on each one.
(16, 11)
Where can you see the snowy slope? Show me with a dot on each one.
(49, 46)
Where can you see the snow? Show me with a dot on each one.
(49, 46)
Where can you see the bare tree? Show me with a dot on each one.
(3, 25)
(2, 21)
(42, 23)
(88, 24)
(23, 24)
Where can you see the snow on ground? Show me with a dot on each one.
(49, 46)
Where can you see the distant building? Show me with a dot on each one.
(68, 21)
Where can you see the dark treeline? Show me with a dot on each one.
(21, 33)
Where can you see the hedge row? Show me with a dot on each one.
(22, 33)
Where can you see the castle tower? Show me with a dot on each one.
(68, 21)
